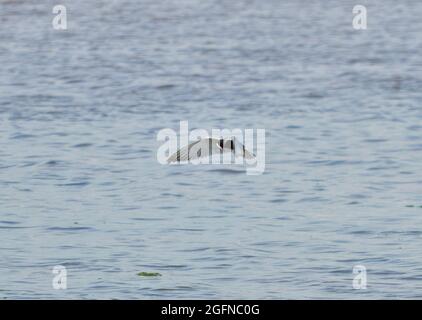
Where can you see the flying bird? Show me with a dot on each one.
(209, 147)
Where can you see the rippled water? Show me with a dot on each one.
(80, 185)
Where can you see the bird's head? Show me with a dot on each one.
(228, 144)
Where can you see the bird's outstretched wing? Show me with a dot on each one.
(194, 150)
(241, 150)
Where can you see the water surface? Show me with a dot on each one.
(80, 185)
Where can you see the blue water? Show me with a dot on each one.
(80, 185)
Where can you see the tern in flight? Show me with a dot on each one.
(208, 147)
